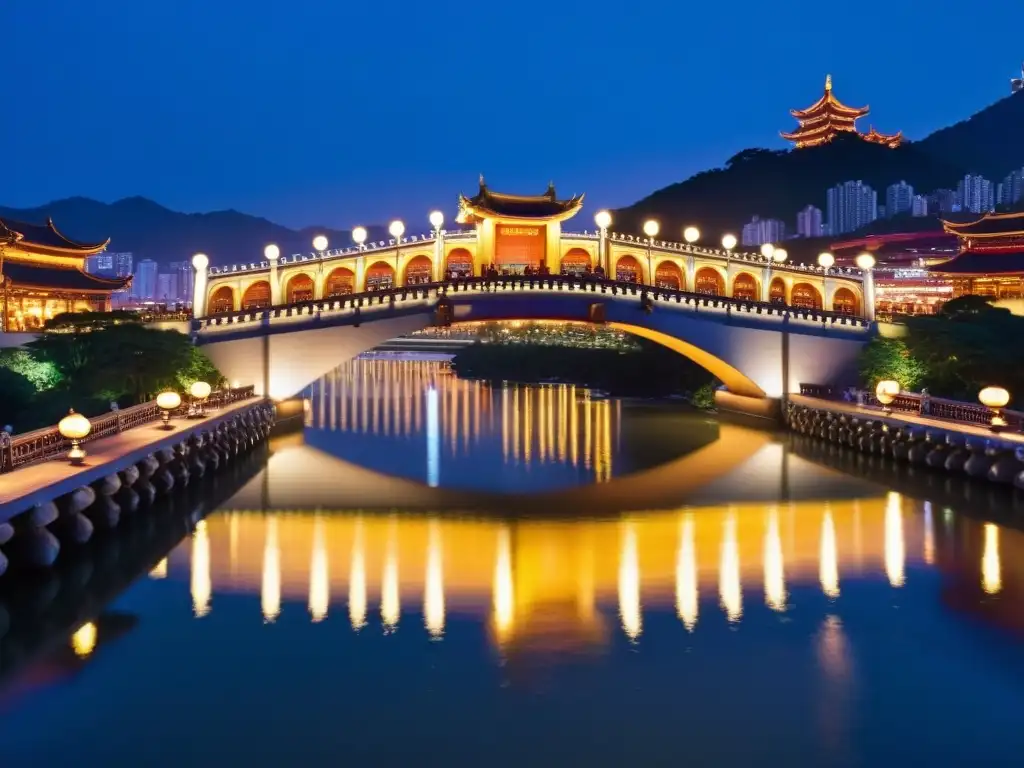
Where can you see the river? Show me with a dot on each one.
(436, 571)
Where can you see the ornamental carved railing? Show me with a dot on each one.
(938, 408)
(511, 283)
(18, 451)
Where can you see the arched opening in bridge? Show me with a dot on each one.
(256, 296)
(575, 262)
(709, 281)
(805, 296)
(380, 277)
(459, 263)
(628, 270)
(669, 275)
(418, 271)
(777, 291)
(222, 300)
(845, 302)
(340, 282)
(299, 288)
(744, 286)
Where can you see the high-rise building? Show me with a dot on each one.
(899, 198)
(144, 283)
(919, 206)
(183, 280)
(760, 231)
(122, 263)
(851, 205)
(977, 194)
(100, 264)
(942, 201)
(1012, 189)
(808, 222)
(166, 287)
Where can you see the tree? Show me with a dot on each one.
(199, 368)
(15, 404)
(884, 359)
(43, 374)
(969, 306)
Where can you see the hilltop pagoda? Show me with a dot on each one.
(43, 274)
(991, 257)
(828, 117)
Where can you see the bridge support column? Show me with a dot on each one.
(766, 284)
(869, 295)
(275, 285)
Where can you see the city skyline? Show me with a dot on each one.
(351, 137)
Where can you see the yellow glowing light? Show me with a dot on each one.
(895, 551)
(168, 400)
(357, 581)
(201, 585)
(691, 235)
(767, 250)
(865, 261)
(504, 604)
(686, 576)
(200, 390)
(729, 242)
(629, 584)
(319, 575)
(433, 598)
(603, 219)
(651, 228)
(200, 262)
(74, 426)
(396, 229)
(270, 590)
(991, 572)
(729, 590)
(83, 642)
(271, 253)
(994, 397)
(359, 235)
(886, 391)
(929, 534)
(436, 219)
(320, 243)
(779, 255)
(159, 570)
(774, 568)
(826, 259)
(390, 601)
(828, 567)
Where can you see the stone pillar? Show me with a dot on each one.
(360, 278)
(869, 295)
(602, 252)
(766, 284)
(199, 265)
(437, 273)
(275, 283)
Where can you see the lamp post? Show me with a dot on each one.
(199, 390)
(436, 222)
(603, 220)
(199, 264)
(826, 260)
(995, 398)
(691, 235)
(75, 427)
(359, 237)
(397, 229)
(273, 255)
(167, 401)
(866, 263)
(886, 392)
(320, 244)
(728, 242)
(651, 229)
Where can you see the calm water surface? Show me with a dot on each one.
(780, 612)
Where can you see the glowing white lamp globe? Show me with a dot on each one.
(359, 235)
(691, 235)
(75, 427)
(436, 219)
(826, 260)
(271, 252)
(167, 401)
(994, 397)
(319, 243)
(767, 250)
(651, 228)
(865, 261)
(729, 242)
(200, 390)
(603, 219)
(779, 255)
(200, 261)
(397, 229)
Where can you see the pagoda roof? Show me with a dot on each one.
(57, 278)
(889, 139)
(974, 263)
(487, 203)
(989, 225)
(829, 103)
(46, 237)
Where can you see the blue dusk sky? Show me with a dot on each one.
(340, 112)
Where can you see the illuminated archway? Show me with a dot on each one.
(845, 302)
(257, 295)
(340, 282)
(777, 291)
(299, 288)
(576, 261)
(380, 276)
(459, 263)
(222, 300)
(744, 286)
(668, 275)
(805, 296)
(709, 281)
(628, 270)
(419, 270)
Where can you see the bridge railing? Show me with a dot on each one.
(511, 283)
(18, 451)
(921, 405)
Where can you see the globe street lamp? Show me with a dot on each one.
(691, 235)
(397, 229)
(167, 401)
(886, 392)
(359, 237)
(767, 250)
(75, 427)
(728, 242)
(271, 253)
(826, 260)
(603, 220)
(199, 390)
(995, 398)
(437, 221)
(651, 229)
(866, 263)
(320, 244)
(199, 264)
(779, 255)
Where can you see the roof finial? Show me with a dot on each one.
(828, 82)
(482, 185)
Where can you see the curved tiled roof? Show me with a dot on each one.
(972, 263)
(24, 275)
(989, 225)
(47, 236)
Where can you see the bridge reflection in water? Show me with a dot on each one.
(548, 585)
(414, 398)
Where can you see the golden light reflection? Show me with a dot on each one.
(629, 584)
(929, 534)
(729, 590)
(270, 590)
(159, 570)
(991, 571)
(829, 566)
(357, 580)
(433, 596)
(504, 596)
(687, 599)
(83, 642)
(319, 577)
(202, 588)
(895, 551)
(774, 569)
(390, 601)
